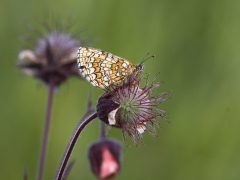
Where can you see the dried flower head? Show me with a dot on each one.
(104, 157)
(53, 58)
(132, 108)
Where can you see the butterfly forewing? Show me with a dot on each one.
(101, 68)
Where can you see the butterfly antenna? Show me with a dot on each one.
(145, 57)
(144, 60)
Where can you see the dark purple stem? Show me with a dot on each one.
(44, 146)
(68, 169)
(71, 145)
(102, 130)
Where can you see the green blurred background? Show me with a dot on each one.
(197, 48)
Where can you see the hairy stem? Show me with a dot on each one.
(44, 146)
(71, 145)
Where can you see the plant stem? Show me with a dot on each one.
(102, 130)
(71, 145)
(25, 175)
(68, 169)
(44, 146)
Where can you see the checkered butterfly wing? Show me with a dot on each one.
(101, 68)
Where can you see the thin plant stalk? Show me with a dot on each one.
(68, 169)
(51, 88)
(102, 130)
(71, 145)
(90, 110)
(25, 175)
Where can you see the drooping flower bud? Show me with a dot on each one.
(104, 157)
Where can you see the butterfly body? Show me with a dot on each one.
(102, 68)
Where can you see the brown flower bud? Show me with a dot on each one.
(104, 157)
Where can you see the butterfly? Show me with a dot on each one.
(102, 68)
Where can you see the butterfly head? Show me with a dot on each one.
(140, 67)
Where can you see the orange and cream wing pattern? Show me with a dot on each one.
(102, 68)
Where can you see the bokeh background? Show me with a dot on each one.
(197, 48)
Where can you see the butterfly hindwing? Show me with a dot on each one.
(101, 68)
